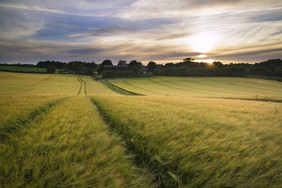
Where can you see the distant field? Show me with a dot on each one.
(23, 69)
(61, 130)
(202, 87)
(48, 84)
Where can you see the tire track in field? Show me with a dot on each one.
(118, 89)
(82, 88)
(11, 126)
(145, 157)
(139, 87)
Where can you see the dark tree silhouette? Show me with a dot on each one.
(151, 66)
(51, 69)
(107, 62)
(135, 67)
(169, 65)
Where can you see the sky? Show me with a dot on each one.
(144, 30)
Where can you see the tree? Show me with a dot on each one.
(188, 60)
(121, 62)
(151, 66)
(169, 65)
(100, 69)
(51, 69)
(76, 66)
(135, 67)
(107, 62)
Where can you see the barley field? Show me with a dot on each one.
(202, 87)
(72, 131)
(22, 69)
(202, 142)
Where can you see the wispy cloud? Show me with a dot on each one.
(31, 8)
(150, 30)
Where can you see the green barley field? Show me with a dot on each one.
(72, 131)
(22, 69)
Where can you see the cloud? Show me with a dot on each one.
(31, 8)
(145, 29)
(251, 56)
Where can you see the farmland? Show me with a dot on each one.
(69, 130)
(22, 69)
(202, 87)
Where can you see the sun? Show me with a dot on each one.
(203, 41)
(209, 61)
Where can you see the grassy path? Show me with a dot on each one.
(69, 146)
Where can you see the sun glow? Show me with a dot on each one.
(209, 61)
(203, 41)
(202, 56)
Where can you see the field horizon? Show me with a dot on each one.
(70, 130)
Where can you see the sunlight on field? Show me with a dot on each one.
(216, 141)
(70, 146)
(202, 86)
(97, 88)
(12, 106)
(186, 132)
(38, 84)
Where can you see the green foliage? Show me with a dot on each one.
(189, 68)
(77, 67)
(87, 71)
(100, 69)
(107, 62)
(135, 67)
(51, 69)
(22, 69)
(151, 66)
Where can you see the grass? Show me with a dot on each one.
(201, 142)
(23, 69)
(38, 84)
(13, 106)
(96, 87)
(118, 89)
(186, 132)
(203, 87)
(11, 126)
(68, 146)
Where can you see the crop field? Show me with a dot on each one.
(203, 142)
(202, 87)
(72, 131)
(22, 69)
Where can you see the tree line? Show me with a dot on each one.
(269, 68)
(272, 67)
(77, 67)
